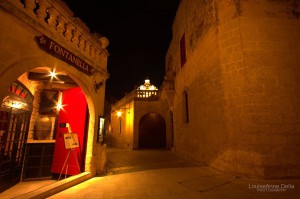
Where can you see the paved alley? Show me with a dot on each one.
(126, 161)
(160, 174)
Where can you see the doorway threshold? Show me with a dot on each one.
(44, 188)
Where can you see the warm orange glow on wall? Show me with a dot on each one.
(122, 125)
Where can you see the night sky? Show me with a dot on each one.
(139, 32)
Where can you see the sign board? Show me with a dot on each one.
(71, 140)
(60, 52)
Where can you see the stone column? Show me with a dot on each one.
(30, 6)
(42, 11)
(87, 48)
(75, 39)
(97, 55)
(61, 27)
(69, 31)
(53, 17)
(92, 53)
(82, 42)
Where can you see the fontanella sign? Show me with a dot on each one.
(60, 52)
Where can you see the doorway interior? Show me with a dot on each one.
(24, 155)
(14, 125)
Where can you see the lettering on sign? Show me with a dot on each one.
(71, 140)
(60, 52)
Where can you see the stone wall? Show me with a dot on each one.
(241, 77)
(121, 131)
(201, 78)
(259, 45)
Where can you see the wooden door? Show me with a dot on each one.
(14, 127)
(152, 131)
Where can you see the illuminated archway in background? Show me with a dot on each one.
(152, 131)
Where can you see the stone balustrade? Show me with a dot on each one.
(147, 94)
(56, 17)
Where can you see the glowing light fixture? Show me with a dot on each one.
(58, 107)
(119, 113)
(52, 74)
(59, 102)
(15, 102)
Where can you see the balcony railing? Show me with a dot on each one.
(54, 18)
(147, 94)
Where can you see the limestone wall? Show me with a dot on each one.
(241, 77)
(205, 135)
(121, 131)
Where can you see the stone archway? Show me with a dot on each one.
(152, 131)
(14, 71)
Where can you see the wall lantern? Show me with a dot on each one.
(16, 102)
(119, 114)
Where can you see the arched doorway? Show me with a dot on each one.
(18, 127)
(62, 102)
(152, 131)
